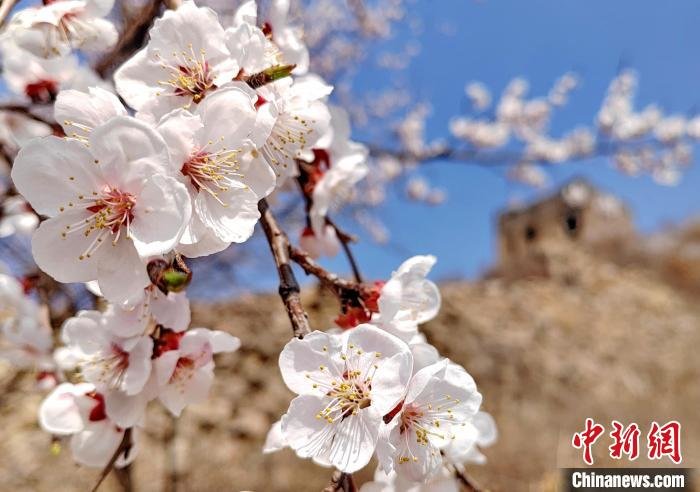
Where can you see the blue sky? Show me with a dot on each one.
(493, 41)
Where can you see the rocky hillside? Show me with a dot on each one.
(590, 339)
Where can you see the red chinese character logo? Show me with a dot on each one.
(587, 438)
(665, 441)
(625, 441)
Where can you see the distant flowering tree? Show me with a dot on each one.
(121, 175)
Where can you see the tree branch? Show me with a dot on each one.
(345, 240)
(289, 287)
(339, 286)
(131, 39)
(26, 111)
(5, 8)
(494, 158)
(341, 482)
(124, 447)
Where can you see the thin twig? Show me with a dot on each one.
(131, 39)
(337, 285)
(495, 158)
(5, 8)
(26, 111)
(124, 478)
(124, 447)
(345, 240)
(341, 482)
(289, 287)
(468, 483)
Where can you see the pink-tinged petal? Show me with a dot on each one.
(137, 79)
(139, 370)
(460, 448)
(98, 8)
(422, 378)
(85, 331)
(486, 425)
(121, 273)
(258, 176)
(348, 443)
(75, 110)
(234, 222)
(164, 367)
(275, 439)
(129, 152)
(413, 460)
(52, 173)
(194, 389)
(424, 355)
(223, 342)
(171, 311)
(59, 413)
(178, 129)
(394, 364)
(61, 254)
(161, 215)
(246, 13)
(205, 244)
(95, 445)
(197, 347)
(125, 410)
(308, 357)
(189, 25)
(228, 115)
(95, 35)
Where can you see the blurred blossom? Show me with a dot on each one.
(529, 174)
(670, 129)
(480, 133)
(479, 95)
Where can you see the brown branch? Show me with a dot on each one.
(27, 111)
(131, 39)
(341, 482)
(5, 8)
(124, 447)
(468, 483)
(496, 158)
(289, 287)
(124, 478)
(345, 240)
(339, 286)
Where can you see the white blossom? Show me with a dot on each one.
(17, 217)
(209, 152)
(186, 58)
(441, 400)
(184, 366)
(78, 410)
(109, 205)
(345, 385)
(59, 26)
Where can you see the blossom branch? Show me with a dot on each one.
(27, 111)
(339, 286)
(468, 483)
(345, 240)
(131, 39)
(124, 447)
(341, 482)
(5, 9)
(289, 287)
